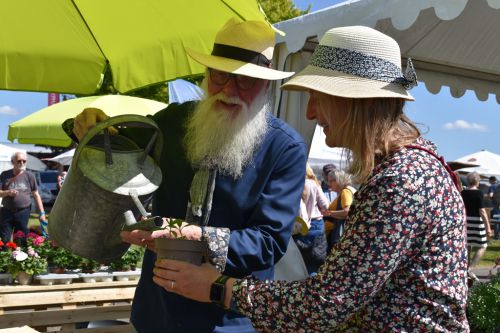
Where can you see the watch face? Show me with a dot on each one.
(217, 293)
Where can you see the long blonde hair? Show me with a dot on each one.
(372, 129)
(311, 175)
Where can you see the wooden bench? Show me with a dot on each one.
(58, 308)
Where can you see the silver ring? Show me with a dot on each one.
(173, 284)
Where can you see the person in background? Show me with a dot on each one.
(478, 224)
(60, 179)
(329, 193)
(18, 186)
(336, 214)
(401, 264)
(255, 162)
(494, 196)
(313, 246)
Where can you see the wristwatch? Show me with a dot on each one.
(218, 290)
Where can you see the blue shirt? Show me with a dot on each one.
(259, 208)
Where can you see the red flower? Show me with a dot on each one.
(1, 243)
(11, 245)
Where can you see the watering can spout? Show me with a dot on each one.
(148, 224)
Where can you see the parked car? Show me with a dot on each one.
(47, 185)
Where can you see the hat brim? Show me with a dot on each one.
(340, 84)
(237, 67)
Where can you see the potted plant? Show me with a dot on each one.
(178, 247)
(128, 262)
(5, 258)
(89, 265)
(23, 265)
(483, 306)
(61, 260)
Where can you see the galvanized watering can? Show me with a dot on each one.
(95, 201)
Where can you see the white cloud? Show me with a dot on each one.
(8, 110)
(464, 125)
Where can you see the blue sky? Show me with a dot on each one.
(458, 126)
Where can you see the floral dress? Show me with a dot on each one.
(400, 266)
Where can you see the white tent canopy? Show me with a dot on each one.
(488, 163)
(64, 158)
(6, 153)
(320, 154)
(452, 43)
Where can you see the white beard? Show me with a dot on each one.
(216, 139)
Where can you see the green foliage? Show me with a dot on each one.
(281, 10)
(174, 227)
(60, 257)
(484, 305)
(29, 262)
(5, 258)
(89, 265)
(129, 260)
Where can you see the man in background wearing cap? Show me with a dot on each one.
(258, 166)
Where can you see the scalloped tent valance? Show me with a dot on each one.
(452, 43)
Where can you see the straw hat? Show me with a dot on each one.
(356, 62)
(244, 48)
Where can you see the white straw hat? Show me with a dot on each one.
(356, 62)
(244, 48)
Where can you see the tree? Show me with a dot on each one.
(281, 10)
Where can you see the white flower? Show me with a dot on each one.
(20, 255)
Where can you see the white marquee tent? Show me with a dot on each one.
(452, 43)
(488, 163)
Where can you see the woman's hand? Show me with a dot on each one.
(185, 279)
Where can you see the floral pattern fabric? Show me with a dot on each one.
(218, 245)
(400, 266)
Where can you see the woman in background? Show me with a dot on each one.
(336, 214)
(478, 223)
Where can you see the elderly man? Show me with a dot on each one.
(253, 163)
(17, 187)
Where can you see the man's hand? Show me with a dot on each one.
(139, 237)
(87, 119)
(12, 193)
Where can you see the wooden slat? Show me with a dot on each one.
(79, 285)
(66, 296)
(56, 317)
(110, 329)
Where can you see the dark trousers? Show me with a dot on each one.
(13, 221)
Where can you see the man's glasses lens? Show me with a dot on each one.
(21, 161)
(242, 82)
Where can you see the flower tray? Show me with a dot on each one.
(127, 275)
(51, 278)
(96, 277)
(5, 278)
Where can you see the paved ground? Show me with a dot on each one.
(483, 273)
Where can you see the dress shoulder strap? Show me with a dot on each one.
(452, 174)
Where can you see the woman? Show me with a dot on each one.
(401, 264)
(336, 214)
(313, 245)
(478, 224)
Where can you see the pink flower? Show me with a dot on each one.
(19, 234)
(32, 234)
(38, 240)
(31, 252)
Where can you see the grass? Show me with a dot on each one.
(488, 260)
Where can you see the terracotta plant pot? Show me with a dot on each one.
(194, 252)
(24, 278)
(57, 270)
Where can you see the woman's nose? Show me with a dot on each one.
(311, 110)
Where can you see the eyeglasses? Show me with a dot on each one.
(221, 78)
(21, 161)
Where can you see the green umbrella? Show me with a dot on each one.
(66, 46)
(44, 126)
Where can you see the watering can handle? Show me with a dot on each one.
(127, 118)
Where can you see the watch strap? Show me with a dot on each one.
(220, 282)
